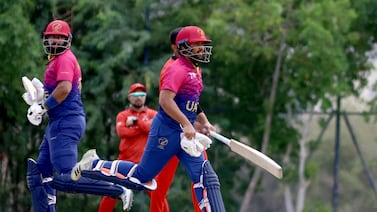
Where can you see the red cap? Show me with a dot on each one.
(137, 86)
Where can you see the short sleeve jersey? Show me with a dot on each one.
(185, 80)
(163, 70)
(64, 67)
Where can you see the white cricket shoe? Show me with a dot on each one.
(127, 198)
(84, 164)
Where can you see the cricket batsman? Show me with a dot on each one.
(60, 97)
(172, 132)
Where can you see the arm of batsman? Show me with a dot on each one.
(35, 113)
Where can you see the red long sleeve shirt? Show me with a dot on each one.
(133, 138)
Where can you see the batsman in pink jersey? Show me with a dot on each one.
(172, 132)
(66, 126)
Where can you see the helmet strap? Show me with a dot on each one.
(50, 57)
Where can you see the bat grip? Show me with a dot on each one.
(220, 137)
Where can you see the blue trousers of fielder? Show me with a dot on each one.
(58, 153)
(163, 144)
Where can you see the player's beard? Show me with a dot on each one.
(137, 104)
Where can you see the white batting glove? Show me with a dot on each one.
(27, 98)
(204, 140)
(39, 95)
(195, 146)
(35, 113)
(40, 90)
(191, 147)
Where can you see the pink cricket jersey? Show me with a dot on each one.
(182, 78)
(65, 67)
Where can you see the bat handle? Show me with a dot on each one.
(220, 137)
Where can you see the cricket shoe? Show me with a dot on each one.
(85, 164)
(127, 198)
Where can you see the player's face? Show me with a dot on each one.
(56, 40)
(137, 98)
(197, 49)
(56, 44)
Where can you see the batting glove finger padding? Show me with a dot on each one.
(189, 146)
(34, 91)
(195, 146)
(40, 90)
(27, 98)
(204, 140)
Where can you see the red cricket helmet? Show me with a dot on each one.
(58, 27)
(191, 34)
(53, 45)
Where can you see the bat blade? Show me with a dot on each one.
(257, 158)
(29, 87)
(252, 155)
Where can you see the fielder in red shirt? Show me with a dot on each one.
(132, 126)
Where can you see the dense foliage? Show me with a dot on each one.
(318, 47)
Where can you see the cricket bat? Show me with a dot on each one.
(253, 155)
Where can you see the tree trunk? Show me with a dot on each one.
(266, 136)
(303, 182)
(303, 124)
(288, 200)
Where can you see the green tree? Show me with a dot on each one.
(298, 49)
(305, 51)
(21, 54)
